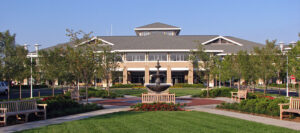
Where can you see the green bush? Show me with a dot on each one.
(217, 92)
(28, 86)
(185, 85)
(258, 105)
(64, 105)
(99, 93)
(124, 86)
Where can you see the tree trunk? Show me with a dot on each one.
(299, 89)
(20, 91)
(265, 89)
(86, 93)
(230, 83)
(8, 90)
(53, 90)
(239, 82)
(107, 86)
(207, 87)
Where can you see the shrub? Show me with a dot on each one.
(217, 92)
(124, 86)
(64, 105)
(157, 107)
(260, 105)
(99, 93)
(185, 85)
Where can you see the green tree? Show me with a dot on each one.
(294, 62)
(227, 71)
(241, 66)
(108, 63)
(202, 60)
(22, 71)
(266, 57)
(51, 64)
(9, 57)
(82, 57)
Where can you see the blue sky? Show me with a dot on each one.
(44, 21)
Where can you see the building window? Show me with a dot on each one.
(157, 56)
(135, 56)
(179, 56)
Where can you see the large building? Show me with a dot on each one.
(163, 42)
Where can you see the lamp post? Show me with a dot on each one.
(31, 55)
(287, 75)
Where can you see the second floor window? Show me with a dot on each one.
(135, 56)
(179, 56)
(157, 56)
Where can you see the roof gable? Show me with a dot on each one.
(158, 25)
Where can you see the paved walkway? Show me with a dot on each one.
(249, 117)
(36, 124)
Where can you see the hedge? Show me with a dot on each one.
(28, 86)
(217, 92)
(64, 105)
(185, 85)
(266, 105)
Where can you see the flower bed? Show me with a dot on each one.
(157, 107)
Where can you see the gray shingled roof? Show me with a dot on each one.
(156, 41)
(157, 25)
(176, 42)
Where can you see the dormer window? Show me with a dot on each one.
(157, 28)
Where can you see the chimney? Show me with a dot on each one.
(293, 43)
(26, 46)
(281, 44)
(36, 48)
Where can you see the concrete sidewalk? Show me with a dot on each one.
(36, 124)
(249, 117)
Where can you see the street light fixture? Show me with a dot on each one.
(32, 55)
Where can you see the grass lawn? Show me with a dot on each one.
(138, 92)
(184, 91)
(160, 122)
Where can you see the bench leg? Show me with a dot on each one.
(281, 115)
(5, 120)
(26, 117)
(45, 115)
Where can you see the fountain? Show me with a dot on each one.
(157, 91)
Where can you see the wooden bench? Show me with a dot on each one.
(294, 106)
(23, 107)
(155, 98)
(237, 96)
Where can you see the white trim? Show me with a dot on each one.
(160, 69)
(135, 69)
(157, 28)
(221, 37)
(214, 51)
(93, 38)
(154, 50)
(180, 69)
(119, 69)
(166, 50)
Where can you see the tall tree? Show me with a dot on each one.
(109, 62)
(294, 62)
(8, 56)
(52, 65)
(202, 60)
(82, 57)
(265, 60)
(227, 71)
(21, 71)
(241, 66)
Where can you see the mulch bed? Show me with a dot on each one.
(130, 101)
(285, 117)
